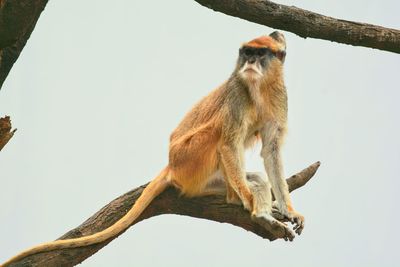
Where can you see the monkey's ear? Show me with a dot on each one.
(281, 55)
(280, 38)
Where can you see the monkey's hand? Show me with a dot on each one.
(271, 224)
(282, 213)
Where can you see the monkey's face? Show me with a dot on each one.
(253, 62)
(259, 55)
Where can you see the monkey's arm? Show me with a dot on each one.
(272, 138)
(271, 135)
(169, 202)
(232, 158)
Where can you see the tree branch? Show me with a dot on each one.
(169, 202)
(17, 21)
(5, 131)
(309, 24)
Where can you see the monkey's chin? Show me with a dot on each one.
(250, 76)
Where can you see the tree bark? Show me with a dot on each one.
(309, 24)
(17, 21)
(169, 202)
(5, 131)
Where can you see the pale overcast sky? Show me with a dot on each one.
(100, 85)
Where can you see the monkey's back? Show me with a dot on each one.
(193, 144)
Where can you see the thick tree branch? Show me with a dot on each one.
(17, 21)
(5, 131)
(308, 24)
(169, 202)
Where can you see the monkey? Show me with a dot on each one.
(207, 148)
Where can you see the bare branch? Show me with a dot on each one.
(308, 24)
(169, 202)
(5, 131)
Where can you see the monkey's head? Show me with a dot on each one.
(260, 55)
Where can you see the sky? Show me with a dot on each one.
(100, 85)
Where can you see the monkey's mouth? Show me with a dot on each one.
(251, 69)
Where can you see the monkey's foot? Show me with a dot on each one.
(290, 216)
(279, 229)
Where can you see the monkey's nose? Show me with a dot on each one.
(251, 60)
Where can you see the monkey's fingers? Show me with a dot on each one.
(299, 226)
(298, 221)
(299, 230)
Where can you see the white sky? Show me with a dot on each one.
(100, 85)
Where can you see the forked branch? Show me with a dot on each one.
(169, 202)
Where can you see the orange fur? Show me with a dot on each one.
(193, 146)
(290, 207)
(193, 158)
(263, 42)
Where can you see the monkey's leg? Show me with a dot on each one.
(262, 212)
(219, 185)
(262, 199)
(215, 185)
(261, 190)
(232, 159)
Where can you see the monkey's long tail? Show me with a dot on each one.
(155, 187)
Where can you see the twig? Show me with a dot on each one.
(5, 131)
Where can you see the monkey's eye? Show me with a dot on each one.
(248, 51)
(262, 51)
